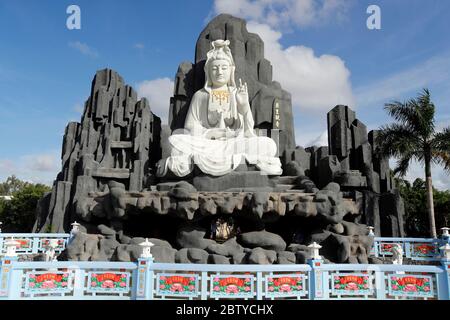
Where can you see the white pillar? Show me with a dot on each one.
(75, 227)
(445, 232)
(50, 252)
(445, 249)
(1, 226)
(11, 246)
(397, 254)
(146, 253)
(371, 233)
(314, 251)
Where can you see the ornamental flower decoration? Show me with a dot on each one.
(285, 285)
(387, 247)
(351, 283)
(46, 243)
(424, 249)
(109, 281)
(231, 285)
(23, 243)
(177, 284)
(411, 285)
(48, 281)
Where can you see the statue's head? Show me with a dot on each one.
(219, 66)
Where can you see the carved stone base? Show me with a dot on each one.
(235, 180)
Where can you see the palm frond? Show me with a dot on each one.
(417, 114)
(441, 141)
(402, 166)
(402, 112)
(442, 158)
(395, 140)
(425, 113)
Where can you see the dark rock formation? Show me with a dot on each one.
(326, 194)
(263, 239)
(113, 148)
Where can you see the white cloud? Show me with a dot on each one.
(317, 83)
(158, 93)
(441, 179)
(434, 71)
(139, 46)
(6, 165)
(78, 108)
(41, 162)
(84, 49)
(321, 140)
(35, 168)
(286, 13)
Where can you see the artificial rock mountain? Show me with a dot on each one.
(326, 194)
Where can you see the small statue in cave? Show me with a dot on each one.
(223, 229)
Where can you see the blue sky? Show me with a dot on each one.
(321, 50)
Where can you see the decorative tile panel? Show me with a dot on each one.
(48, 282)
(232, 286)
(285, 285)
(351, 284)
(411, 285)
(177, 285)
(111, 282)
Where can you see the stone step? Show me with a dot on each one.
(286, 179)
(283, 187)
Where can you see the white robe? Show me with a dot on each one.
(218, 157)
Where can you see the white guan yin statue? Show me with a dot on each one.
(218, 134)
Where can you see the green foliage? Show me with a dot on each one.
(18, 214)
(413, 137)
(11, 185)
(416, 219)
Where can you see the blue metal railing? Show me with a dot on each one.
(145, 279)
(33, 243)
(425, 249)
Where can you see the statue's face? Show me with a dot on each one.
(220, 71)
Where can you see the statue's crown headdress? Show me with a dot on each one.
(220, 50)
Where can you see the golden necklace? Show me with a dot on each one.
(221, 95)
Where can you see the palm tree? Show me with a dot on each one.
(413, 136)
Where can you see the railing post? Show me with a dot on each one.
(1, 239)
(380, 285)
(259, 287)
(318, 279)
(408, 249)
(445, 232)
(78, 283)
(15, 282)
(75, 229)
(443, 279)
(9, 280)
(35, 245)
(372, 234)
(445, 237)
(145, 276)
(204, 285)
(376, 247)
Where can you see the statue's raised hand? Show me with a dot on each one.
(243, 104)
